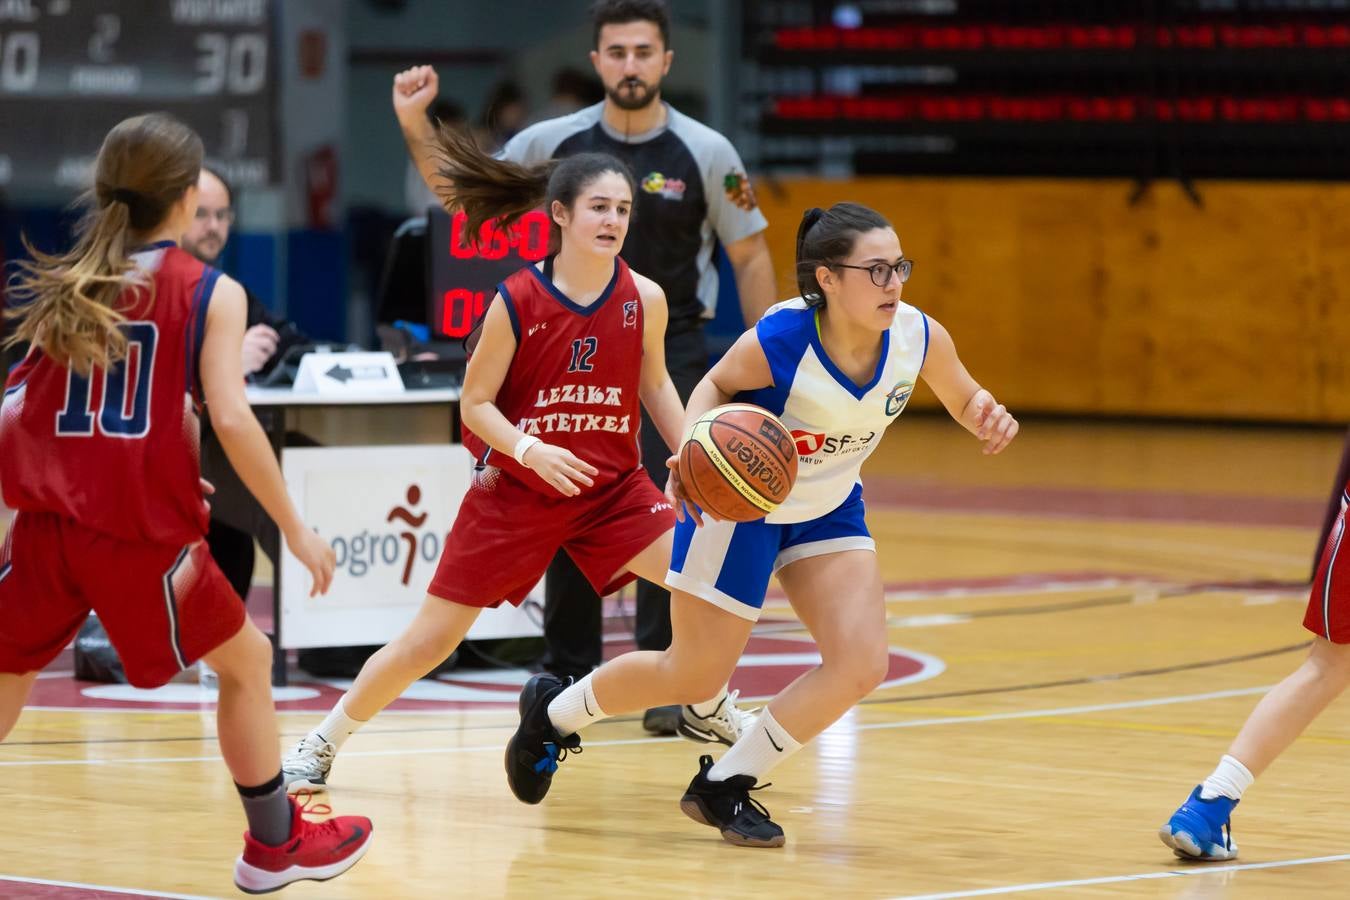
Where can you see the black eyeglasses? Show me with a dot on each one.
(881, 272)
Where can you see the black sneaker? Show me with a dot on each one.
(664, 720)
(728, 807)
(534, 751)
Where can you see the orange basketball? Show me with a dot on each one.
(739, 462)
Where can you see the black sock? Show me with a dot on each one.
(268, 810)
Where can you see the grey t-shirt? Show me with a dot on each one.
(692, 188)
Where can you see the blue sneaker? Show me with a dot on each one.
(1200, 829)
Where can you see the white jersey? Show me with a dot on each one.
(835, 422)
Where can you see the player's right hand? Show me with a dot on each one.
(679, 497)
(560, 467)
(414, 91)
(316, 555)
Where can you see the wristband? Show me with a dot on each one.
(522, 447)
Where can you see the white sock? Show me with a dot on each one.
(708, 707)
(576, 707)
(757, 752)
(338, 726)
(1229, 780)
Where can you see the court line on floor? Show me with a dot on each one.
(874, 726)
(1084, 679)
(1198, 869)
(103, 888)
(406, 713)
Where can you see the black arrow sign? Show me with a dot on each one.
(360, 373)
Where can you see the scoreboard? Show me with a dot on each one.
(71, 69)
(1171, 88)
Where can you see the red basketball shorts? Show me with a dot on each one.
(163, 607)
(506, 534)
(1329, 606)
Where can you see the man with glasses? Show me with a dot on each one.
(206, 240)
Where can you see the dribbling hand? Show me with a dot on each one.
(560, 468)
(993, 423)
(414, 91)
(316, 555)
(677, 496)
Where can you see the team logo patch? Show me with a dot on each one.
(670, 188)
(630, 314)
(738, 190)
(898, 397)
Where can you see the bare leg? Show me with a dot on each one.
(705, 645)
(428, 640)
(840, 600)
(706, 641)
(1291, 705)
(14, 690)
(246, 720)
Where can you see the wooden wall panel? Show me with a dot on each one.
(1063, 297)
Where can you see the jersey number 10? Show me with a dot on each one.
(124, 409)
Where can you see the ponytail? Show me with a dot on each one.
(806, 274)
(482, 187)
(485, 188)
(69, 302)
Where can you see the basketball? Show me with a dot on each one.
(738, 463)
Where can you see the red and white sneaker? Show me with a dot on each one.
(316, 851)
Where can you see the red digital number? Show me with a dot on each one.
(460, 311)
(528, 236)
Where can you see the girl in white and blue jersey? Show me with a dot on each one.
(837, 365)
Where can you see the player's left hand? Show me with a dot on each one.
(207, 490)
(675, 493)
(993, 423)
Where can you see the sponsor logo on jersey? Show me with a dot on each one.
(814, 447)
(898, 397)
(670, 188)
(630, 313)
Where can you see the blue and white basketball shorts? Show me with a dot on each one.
(729, 563)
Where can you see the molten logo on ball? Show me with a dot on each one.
(757, 466)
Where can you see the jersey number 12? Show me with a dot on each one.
(582, 351)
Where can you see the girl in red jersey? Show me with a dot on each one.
(550, 407)
(1201, 826)
(98, 455)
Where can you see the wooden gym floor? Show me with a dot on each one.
(1078, 627)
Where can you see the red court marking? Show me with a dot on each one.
(13, 889)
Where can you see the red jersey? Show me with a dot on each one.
(573, 381)
(118, 452)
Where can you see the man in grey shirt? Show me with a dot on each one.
(693, 192)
